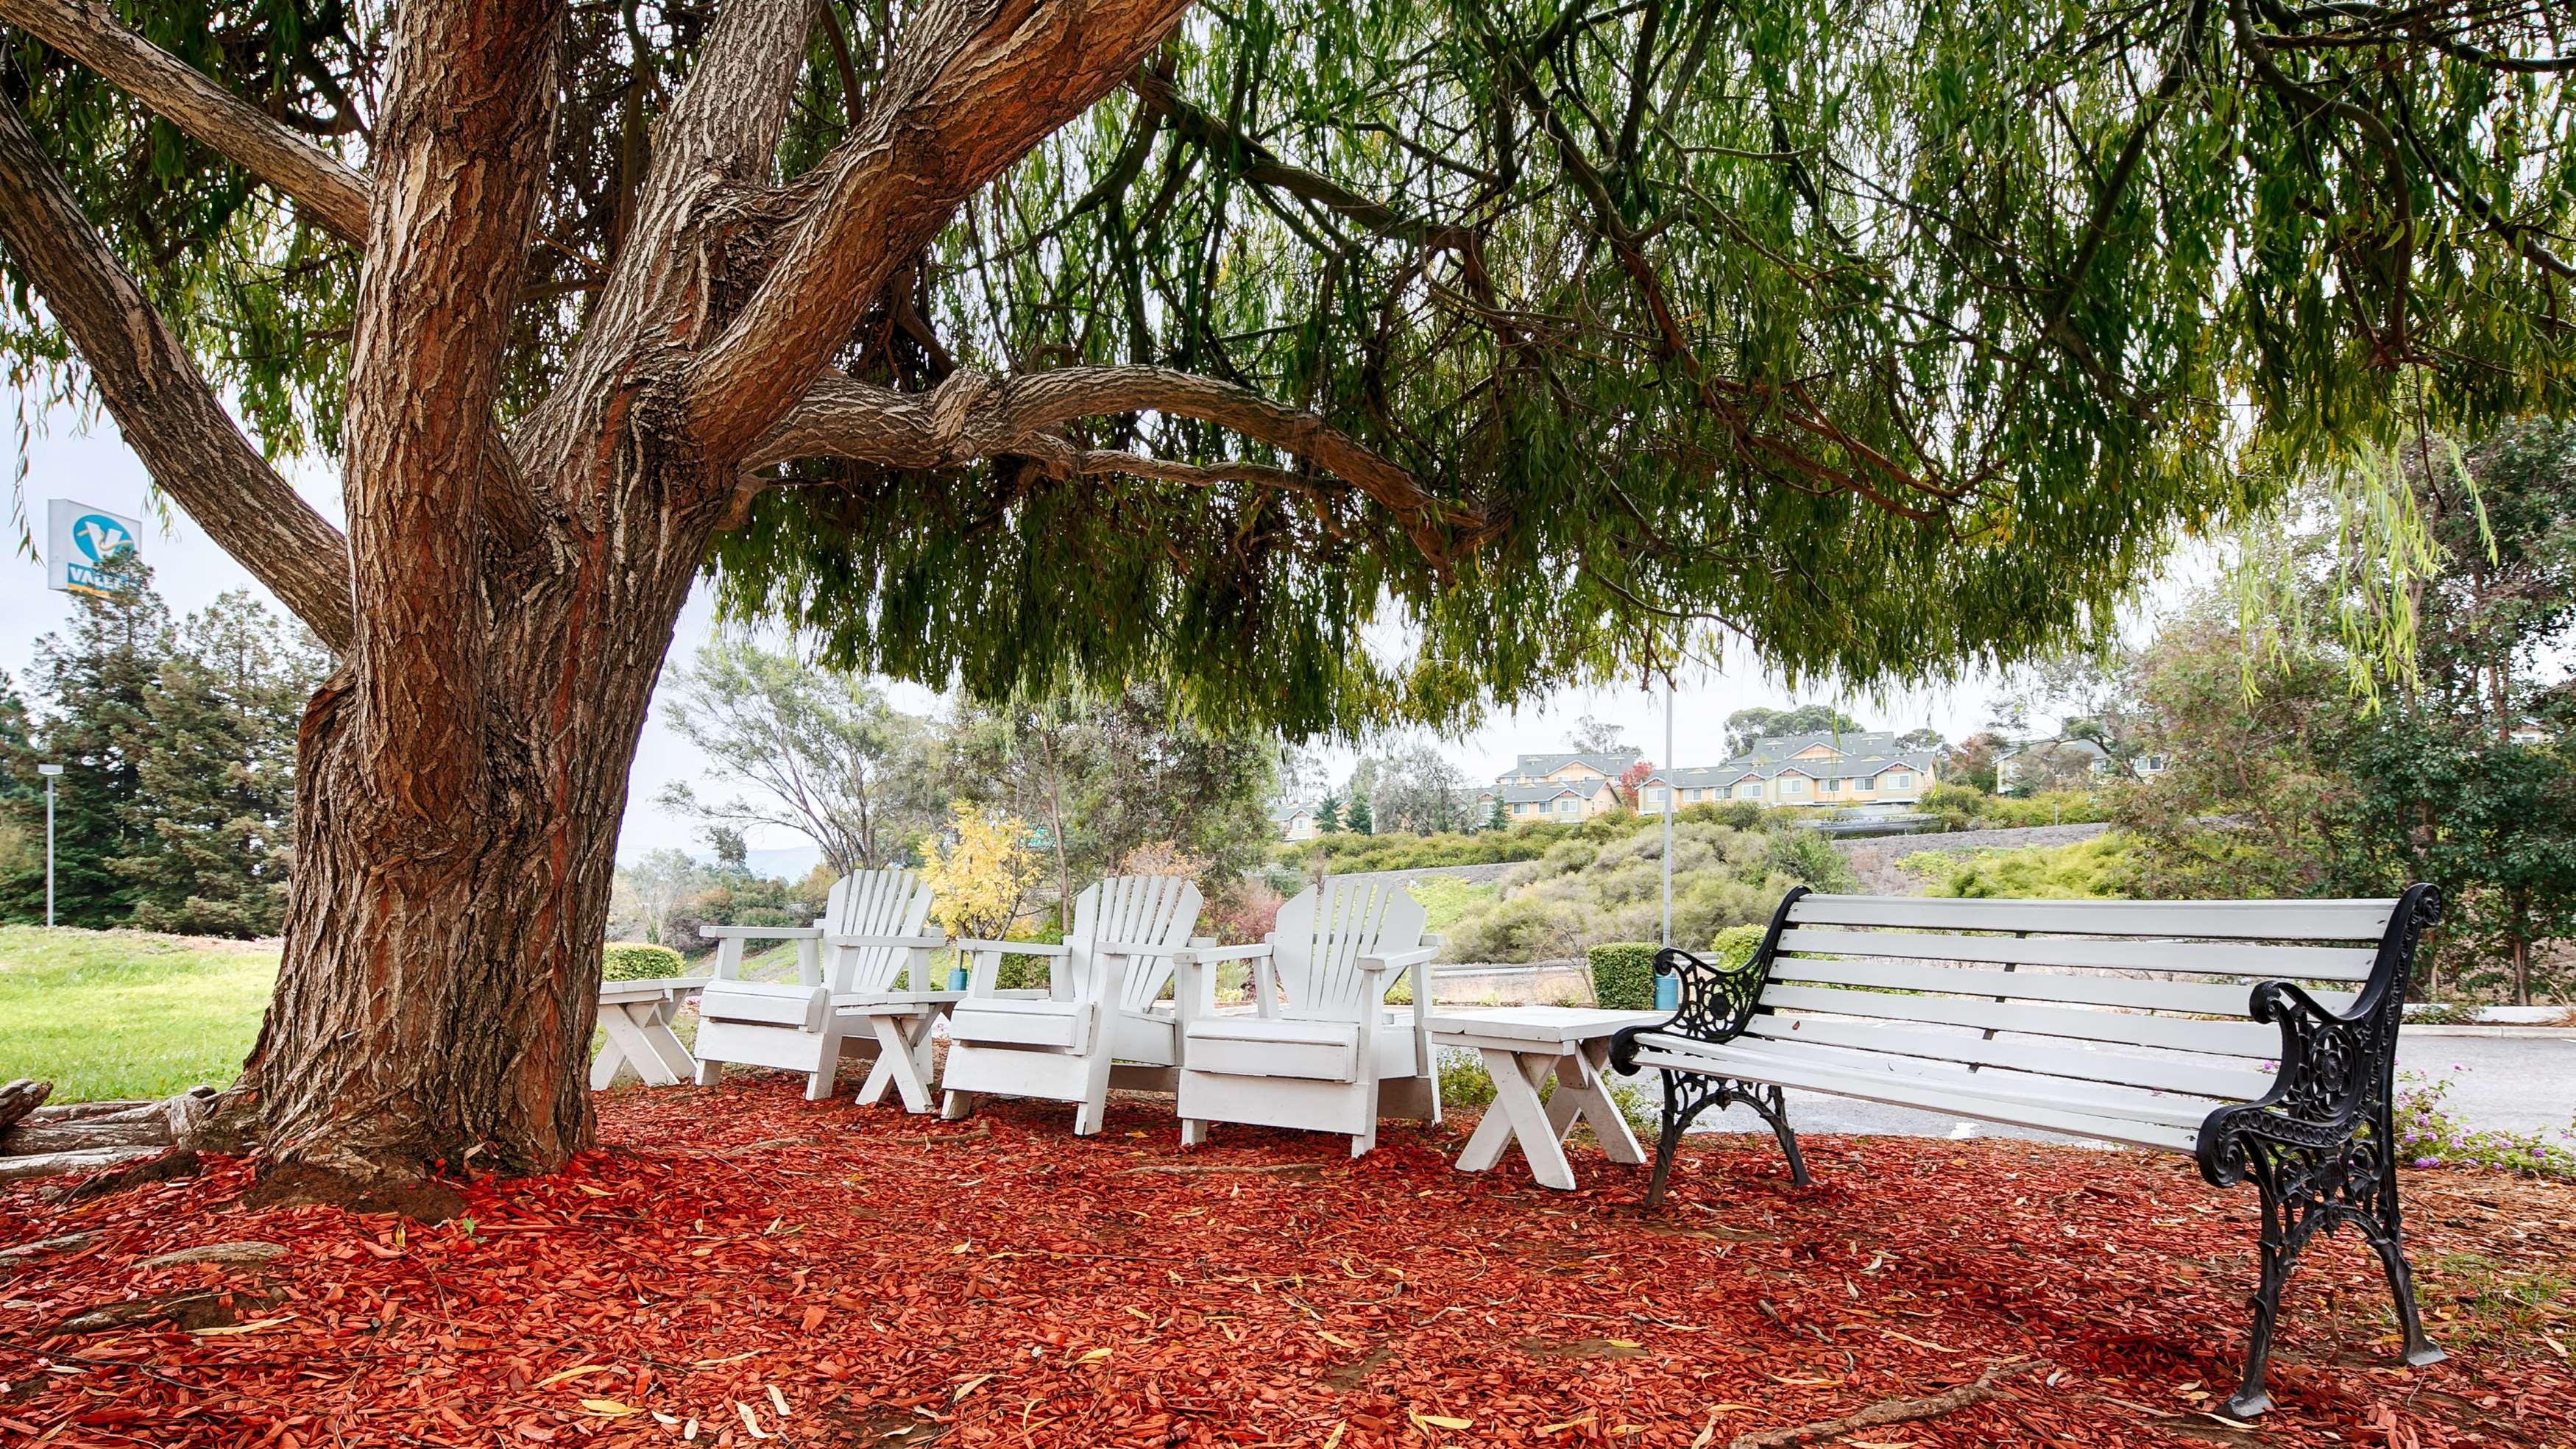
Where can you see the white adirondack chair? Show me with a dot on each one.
(844, 1000)
(1322, 1051)
(1097, 1025)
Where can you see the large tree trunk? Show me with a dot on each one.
(441, 973)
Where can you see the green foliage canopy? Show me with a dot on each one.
(1887, 338)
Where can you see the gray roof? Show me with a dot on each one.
(1694, 777)
(1850, 742)
(1611, 765)
(1548, 790)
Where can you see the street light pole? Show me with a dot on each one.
(51, 774)
(1668, 812)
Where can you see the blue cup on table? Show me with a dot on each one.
(1668, 991)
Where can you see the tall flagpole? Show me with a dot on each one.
(1669, 789)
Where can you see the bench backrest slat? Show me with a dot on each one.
(2203, 958)
(2085, 989)
(2154, 1071)
(2362, 920)
(2117, 1028)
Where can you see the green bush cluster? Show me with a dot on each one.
(1965, 807)
(637, 961)
(1585, 891)
(1623, 975)
(2103, 868)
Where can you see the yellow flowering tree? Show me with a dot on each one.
(979, 876)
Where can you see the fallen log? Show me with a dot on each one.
(53, 1112)
(1885, 1411)
(234, 1255)
(50, 1164)
(21, 1097)
(170, 1122)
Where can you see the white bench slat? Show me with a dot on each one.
(2205, 958)
(2161, 1071)
(2144, 995)
(2172, 1033)
(1908, 1092)
(2101, 1099)
(2365, 920)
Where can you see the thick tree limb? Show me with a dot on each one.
(722, 130)
(327, 191)
(975, 85)
(168, 414)
(972, 416)
(459, 156)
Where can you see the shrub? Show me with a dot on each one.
(2103, 868)
(1804, 855)
(636, 961)
(2429, 1136)
(1735, 945)
(1446, 900)
(1623, 975)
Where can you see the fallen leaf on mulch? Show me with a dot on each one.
(857, 1282)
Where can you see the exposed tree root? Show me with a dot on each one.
(188, 1308)
(178, 1162)
(1885, 1411)
(424, 1199)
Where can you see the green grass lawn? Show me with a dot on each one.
(107, 1014)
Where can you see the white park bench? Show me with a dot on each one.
(2258, 1037)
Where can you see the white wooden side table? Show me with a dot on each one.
(637, 1017)
(1521, 1046)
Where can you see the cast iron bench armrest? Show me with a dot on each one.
(1716, 1001)
(2337, 1069)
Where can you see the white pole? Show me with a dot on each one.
(51, 773)
(1668, 812)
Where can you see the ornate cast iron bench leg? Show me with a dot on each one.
(1687, 1094)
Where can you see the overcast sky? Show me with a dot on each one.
(94, 467)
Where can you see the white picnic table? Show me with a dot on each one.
(1521, 1046)
(637, 1016)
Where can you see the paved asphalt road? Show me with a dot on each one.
(2521, 1084)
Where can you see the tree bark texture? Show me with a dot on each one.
(502, 601)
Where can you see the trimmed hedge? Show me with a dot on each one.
(1623, 975)
(636, 961)
(1734, 946)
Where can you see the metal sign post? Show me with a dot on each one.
(1668, 812)
(51, 774)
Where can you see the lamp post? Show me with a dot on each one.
(1668, 812)
(51, 774)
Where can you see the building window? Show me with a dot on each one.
(1869, 782)
(1749, 790)
(1792, 785)
(1654, 797)
(1565, 806)
(1900, 782)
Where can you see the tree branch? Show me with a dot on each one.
(167, 413)
(328, 192)
(974, 86)
(459, 157)
(972, 416)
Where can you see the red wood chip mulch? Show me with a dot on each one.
(763, 1270)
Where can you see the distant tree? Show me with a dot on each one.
(1499, 817)
(1419, 790)
(1361, 820)
(980, 874)
(821, 753)
(663, 881)
(1328, 816)
(1631, 780)
(2096, 693)
(216, 765)
(2054, 765)
(1748, 725)
(1926, 738)
(1599, 737)
(1972, 762)
(732, 852)
(94, 682)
